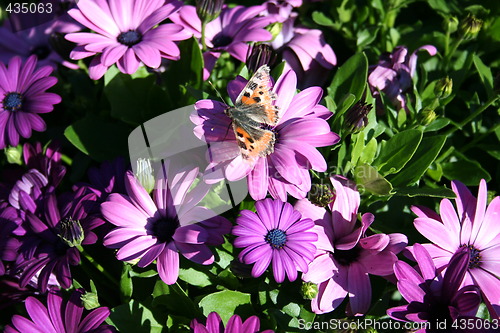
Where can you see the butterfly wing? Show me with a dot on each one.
(256, 99)
(253, 141)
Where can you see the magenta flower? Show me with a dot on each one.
(393, 75)
(33, 183)
(47, 161)
(281, 9)
(60, 316)
(22, 96)
(9, 245)
(471, 225)
(301, 128)
(159, 228)
(53, 237)
(230, 32)
(345, 256)
(22, 37)
(433, 297)
(234, 325)
(276, 233)
(126, 33)
(306, 52)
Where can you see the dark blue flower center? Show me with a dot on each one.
(129, 38)
(13, 101)
(221, 40)
(475, 256)
(41, 52)
(163, 229)
(347, 257)
(276, 238)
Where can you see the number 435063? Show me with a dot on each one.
(32, 8)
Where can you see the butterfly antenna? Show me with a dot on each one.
(217, 92)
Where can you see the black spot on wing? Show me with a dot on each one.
(256, 99)
(242, 145)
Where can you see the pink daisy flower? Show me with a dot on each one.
(22, 96)
(302, 127)
(472, 225)
(345, 255)
(159, 228)
(126, 33)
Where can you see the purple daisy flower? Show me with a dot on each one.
(33, 184)
(234, 325)
(435, 298)
(60, 316)
(126, 33)
(230, 32)
(9, 245)
(281, 9)
(276, 233)
(393, 75)
(47, 161)
(159, 228)
(23, 37)
(473, 226)
(302, 127)
(305, 51)
(345, 256)
(22, 97)
(53, 237)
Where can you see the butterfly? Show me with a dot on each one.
(253, 115)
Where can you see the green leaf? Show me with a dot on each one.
(126, 286)
(174, 299)
(465, 170)
(322, 19)
(99, 138)
(396, 152)
(369, 151)
(425, 192)
(134, 317)
(485, 75)
(134, 100)
(365, 37)
(437, 124)
(188, 71)
(195, 277)
(350, 78)
(224, 302)
(369, 179)
(426, 153)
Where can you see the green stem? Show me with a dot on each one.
(203, 43)
(454, 48)
(97, 266)
(473, 115)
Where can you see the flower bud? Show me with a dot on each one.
(309, 290)
(208, 10)
(145, 174)
(71, 232)
(321, 195)
(258, 55)
(427, 116)
(443, 87)
(470, 26)
(90, 301)
(13, 155)
(356, 118)
(450, 24)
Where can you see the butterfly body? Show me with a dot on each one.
(254, 115)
